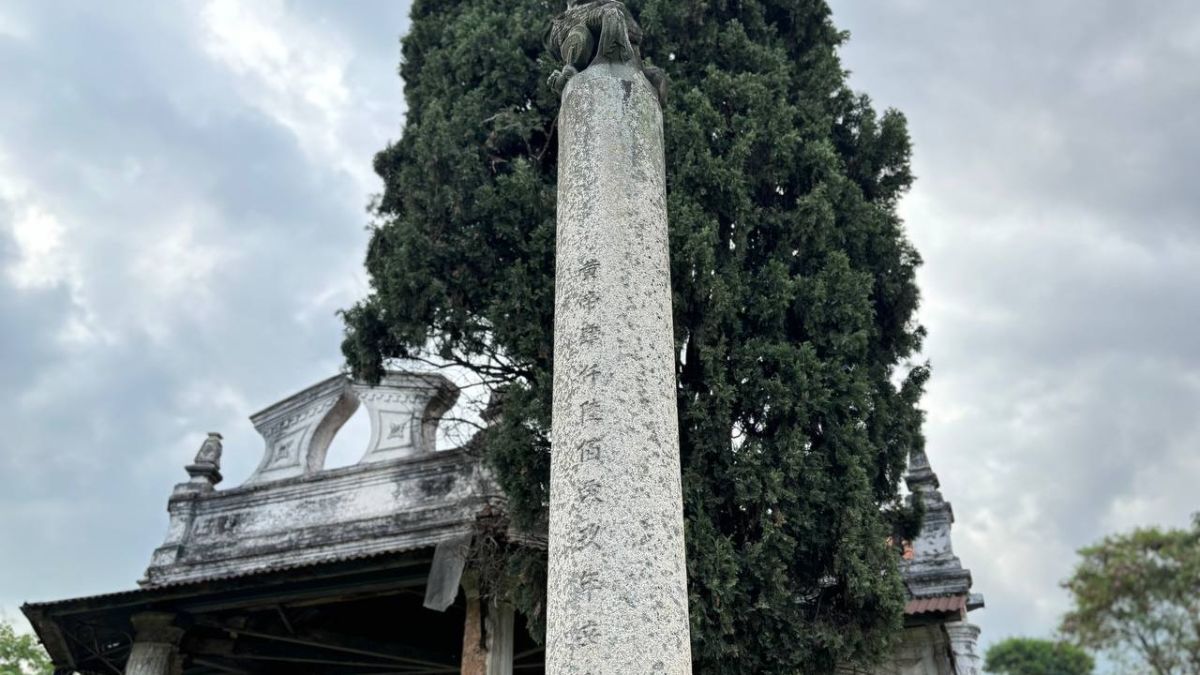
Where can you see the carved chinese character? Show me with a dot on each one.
(589, 411)
(590, 372)
(589, 333)
(589, 450)
(585, 537)
(589, 268)
(588, 582)
(590, 299)
(584, 633)
(589, 492)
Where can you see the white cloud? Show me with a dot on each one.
(179, 220)
(39, 239)
(36, 231)
(44, 258)
(174, 273)
(291, 72)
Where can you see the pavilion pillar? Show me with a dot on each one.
(487, 635)
(155, 645)
(499, 627)
(964, 638)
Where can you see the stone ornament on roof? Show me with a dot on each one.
(402, 494)
(405, 409)
(205, 470)
(595, 32)
(298, 430)
(933, 570)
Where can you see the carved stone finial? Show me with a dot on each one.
(920, 476)
(594, 32)
(205, 470)
(933, 569)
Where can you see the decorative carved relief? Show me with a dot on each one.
(405, 409)
(298, 430)
(592, 32)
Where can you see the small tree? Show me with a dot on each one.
(1137, 596)
(21, 654)
(1031, 656)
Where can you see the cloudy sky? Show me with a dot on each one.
(182, 193)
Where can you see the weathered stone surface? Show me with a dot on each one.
(617, 596)
(964, 639)
(155, 646)
(921, 650)
(405, 409)
(934, 570)
(935, 642)
(499, 626)
(151, 658)
(350, 511)
(205, 470)
(403, 495)
(446, 572)
(298, 429)
(487, 633)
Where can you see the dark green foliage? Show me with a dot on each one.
(794, 300)
(1030, 656)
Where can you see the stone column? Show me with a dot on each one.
(617, 596)
(487, 634)
(499, 627)
(964, 639)
(155, 645)
(474, 651)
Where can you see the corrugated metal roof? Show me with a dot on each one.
(171, 585)
(944, 603)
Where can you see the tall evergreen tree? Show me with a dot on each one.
(794, 301)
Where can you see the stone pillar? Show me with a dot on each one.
(155, 645)
(487, 634)
(964, 641)
(617, 595)
(499, 627)
(474, 651)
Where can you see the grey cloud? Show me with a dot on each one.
(1055, 142)
(205, 244)
(1071, 102)
(1056, 148)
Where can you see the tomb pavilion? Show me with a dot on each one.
(359, 569)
